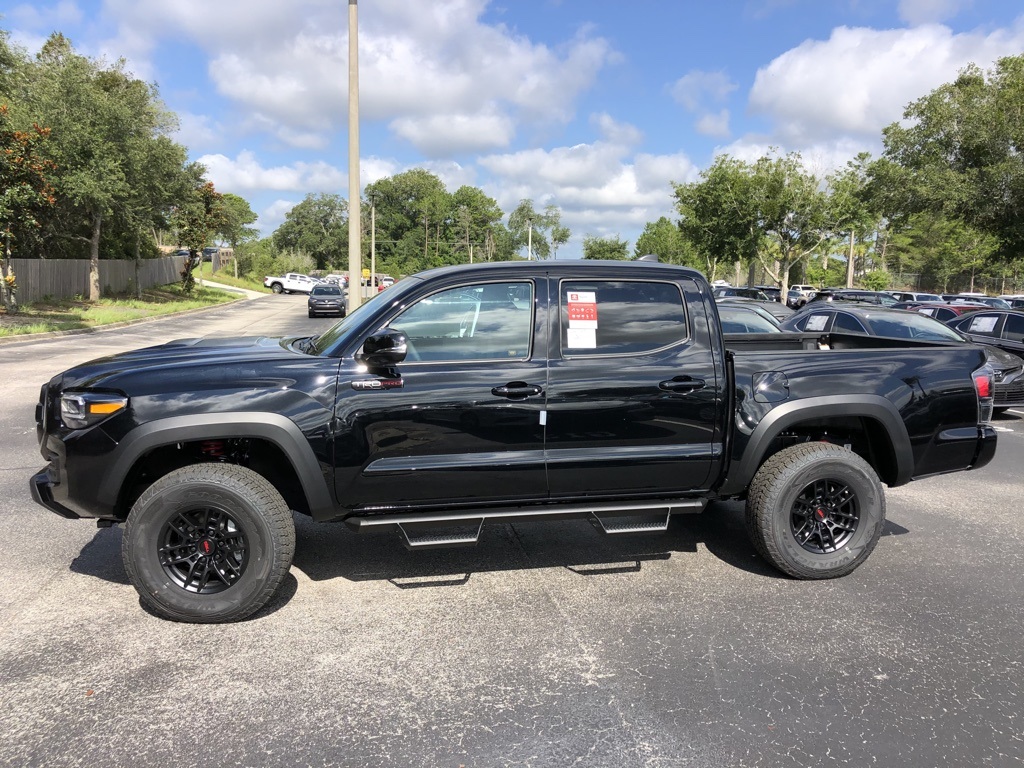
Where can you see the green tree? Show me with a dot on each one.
(527, 228)
(557, 232)
(851, 210)
(317, 226)
(414, 222)
(103, 122)
(791, 211)
(960, 153)
(611, 248)
(475, 217)
(664, 240)
(718, 214)
(237, 216)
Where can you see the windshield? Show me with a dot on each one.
(327, 290)
(742, 320)
(913, 326)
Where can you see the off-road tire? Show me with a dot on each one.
(231, 514)
(815, 487)
(277, 287)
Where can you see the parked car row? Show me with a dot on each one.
(999, 331)
(294, 282)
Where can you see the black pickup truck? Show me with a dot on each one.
(496, 393)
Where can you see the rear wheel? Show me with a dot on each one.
(277, 288)
(815, 510)
(208, 543)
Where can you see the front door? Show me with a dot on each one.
(459, 422)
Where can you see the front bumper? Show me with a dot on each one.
(41, 488)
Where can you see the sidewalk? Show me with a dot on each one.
(234, 289)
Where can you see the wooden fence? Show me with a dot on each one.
(64, 278)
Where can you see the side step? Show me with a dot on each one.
(422, 530)
(440, 541)
(631, 526)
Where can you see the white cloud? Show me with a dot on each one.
(696, 88)
(601, 188)
(714, 124)
(274, 214)
(444, 135)
(860, 80)
(425, 67)
(615, 132)
(245, 173)
(197, 131)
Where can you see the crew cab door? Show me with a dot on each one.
(633, 395)
(459, 421)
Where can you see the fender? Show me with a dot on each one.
(272, 427)
(789, 414)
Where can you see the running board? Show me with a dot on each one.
(600, 514)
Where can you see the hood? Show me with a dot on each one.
(1000, 359)
(182, 358)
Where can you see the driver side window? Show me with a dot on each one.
(483, 321)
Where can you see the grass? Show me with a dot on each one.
(73, 314)
(226, 276)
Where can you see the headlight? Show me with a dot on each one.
(83, 409)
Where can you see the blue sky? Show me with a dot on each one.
(591, 105)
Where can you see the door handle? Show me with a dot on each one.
(517, 390)
(681, 384)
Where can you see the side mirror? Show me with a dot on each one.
(384, 349)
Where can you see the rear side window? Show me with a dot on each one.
(1014, 328)
(981, 324)
(605, 317)
(815, 322)
(848, 324)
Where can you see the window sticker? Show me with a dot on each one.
(816, 323)
(582, 311)
(581, 338)
(983, 324)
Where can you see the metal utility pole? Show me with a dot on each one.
(529, 239)
(355, 269)
(373, 241)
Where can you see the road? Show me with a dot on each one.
(546, 645)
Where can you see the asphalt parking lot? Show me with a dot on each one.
(545, 645)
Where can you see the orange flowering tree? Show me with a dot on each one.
(25, 190)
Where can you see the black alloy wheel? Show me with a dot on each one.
(203, 550)
(825, 516)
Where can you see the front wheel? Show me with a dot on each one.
(815, 510)
(208, 543)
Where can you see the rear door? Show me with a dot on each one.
(633, 400)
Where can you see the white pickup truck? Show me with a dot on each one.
(293, 282)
